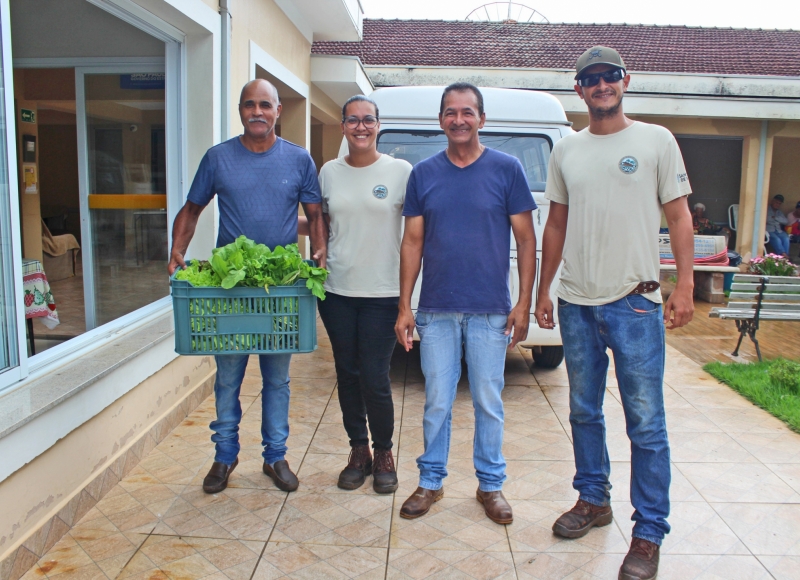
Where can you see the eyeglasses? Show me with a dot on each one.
(369, 122)
(609, 76)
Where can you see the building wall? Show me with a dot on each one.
(785, 175)
(265, 24)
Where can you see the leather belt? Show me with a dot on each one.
(645, 287)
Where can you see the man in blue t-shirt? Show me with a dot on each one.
(258, 179)
(461, 206)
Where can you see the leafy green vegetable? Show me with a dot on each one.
(199, 274)
(245, 263)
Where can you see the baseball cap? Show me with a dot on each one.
(779, 197)
(598, 55)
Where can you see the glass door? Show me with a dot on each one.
(8, 302)
(10, 273)
(121, 134)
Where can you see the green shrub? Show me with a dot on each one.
(785, 374)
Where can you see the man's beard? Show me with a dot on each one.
(603, 113)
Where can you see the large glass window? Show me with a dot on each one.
(532, 151)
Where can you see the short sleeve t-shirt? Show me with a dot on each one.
(614, 186)
(365, 206)
(258, 193)
(465, 260)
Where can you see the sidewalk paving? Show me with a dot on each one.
(735, 493)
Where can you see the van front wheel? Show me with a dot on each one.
(548, 357)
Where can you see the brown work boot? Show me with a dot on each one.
(217, 478)
(384, 475)
(420, 502)
(282, 475)
(359, 465)
(495, 506)
(641, 563)
(577, 522)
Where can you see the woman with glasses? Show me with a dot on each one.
(362, 201)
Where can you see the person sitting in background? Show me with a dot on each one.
(776, 222)
(705, 227)
(702, 225)
(794, 221)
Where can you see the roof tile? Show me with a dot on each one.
(680, 49)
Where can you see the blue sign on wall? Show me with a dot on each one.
(142, 81)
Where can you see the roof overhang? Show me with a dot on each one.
(340, 77)
(673, 94)
(337, 20)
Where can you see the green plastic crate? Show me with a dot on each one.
(243, 320)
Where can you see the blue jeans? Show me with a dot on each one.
(274, 405)
(443, 335)
(779, 242)
(633, 329)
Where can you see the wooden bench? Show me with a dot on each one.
(755, 298)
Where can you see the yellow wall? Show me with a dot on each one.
(785, 175)
(265, 24)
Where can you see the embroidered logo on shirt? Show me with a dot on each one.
(628, 164)
(682, 178)
(380, 191)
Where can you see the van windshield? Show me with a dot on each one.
(532, 151)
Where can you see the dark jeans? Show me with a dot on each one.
(362, 337)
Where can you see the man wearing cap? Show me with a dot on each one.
(776, 222)
(608, 185)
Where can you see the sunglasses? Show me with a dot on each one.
(369, 122)
(609, 76)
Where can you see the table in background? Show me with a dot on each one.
(39, 301)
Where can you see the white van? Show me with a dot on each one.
(525, 124)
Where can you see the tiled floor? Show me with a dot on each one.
(735, 493)
(708, 339)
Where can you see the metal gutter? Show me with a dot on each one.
(225, 69)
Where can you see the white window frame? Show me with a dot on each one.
(174, 64)
(18, 361)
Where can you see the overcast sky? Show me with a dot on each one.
(736, 13)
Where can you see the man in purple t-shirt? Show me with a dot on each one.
(258, 180)
(461, 206)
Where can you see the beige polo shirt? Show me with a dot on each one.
(365, 206)
(614, 186)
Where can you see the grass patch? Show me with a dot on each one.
(763, 386)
